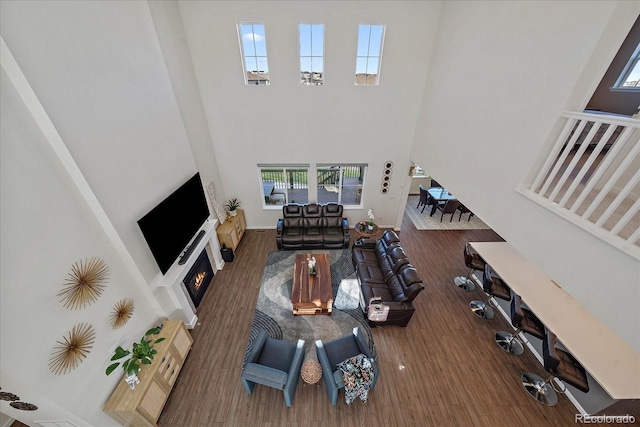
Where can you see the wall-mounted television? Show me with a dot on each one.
(171, 225)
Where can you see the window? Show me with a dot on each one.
(341, 184)
(369, 54)
(311, 54)
(254, 54)
(284, 184)
(630, 77)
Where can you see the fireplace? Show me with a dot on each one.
(198, 278)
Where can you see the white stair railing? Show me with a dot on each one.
(591, 177)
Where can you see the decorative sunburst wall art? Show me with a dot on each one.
(72, 349)
(122, 313)
(84, 283)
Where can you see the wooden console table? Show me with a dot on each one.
(142, 406)
(230, 233)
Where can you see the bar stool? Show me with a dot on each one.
(493, 285)
(523, 320)
(559, 364)
(475, 262)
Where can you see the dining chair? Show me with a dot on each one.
(448, 207)
(463, 210)
(424, 198)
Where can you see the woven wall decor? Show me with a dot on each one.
(8, 396)
(216, 201)
(122, 313)
(73, 349)
(24, 406)
(84, 283)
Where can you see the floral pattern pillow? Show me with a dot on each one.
(357, 372)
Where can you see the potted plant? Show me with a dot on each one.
(232, 205)
(370, 223)
(141, 353)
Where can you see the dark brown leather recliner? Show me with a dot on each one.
(388, 282)
(313, 232)
(335, 227)
(312, 226)
(290, 228)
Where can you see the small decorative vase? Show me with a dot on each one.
(233, 213)
(312, 271)
(369, 228)
(132, 379)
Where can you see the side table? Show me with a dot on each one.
(311, 371)
(362, 230)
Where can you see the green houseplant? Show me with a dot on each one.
(232, 205)
(141, 353)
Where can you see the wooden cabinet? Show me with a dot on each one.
(230, 233)
(142, 405)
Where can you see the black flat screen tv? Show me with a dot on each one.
(171, 225)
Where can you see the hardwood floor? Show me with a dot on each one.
(443, 369)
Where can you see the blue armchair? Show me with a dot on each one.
(274, 363)
(331, 353)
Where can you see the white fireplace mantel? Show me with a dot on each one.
(169, 288)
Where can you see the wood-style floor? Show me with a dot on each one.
(443, 369)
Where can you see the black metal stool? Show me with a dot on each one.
(560, 364)
(493, 285)
(475, 262)
(523, 320)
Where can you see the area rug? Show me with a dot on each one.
(423, 221)
(274, 311)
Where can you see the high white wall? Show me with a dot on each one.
(100, 78)
(98, 70)
(289, 123)
(46, 227)
(469, 91)
(501, 74)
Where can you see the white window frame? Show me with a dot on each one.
(244, 56)
(311, 56)
(282, 189)
(370, 54)
(342, 167)
(634, 62)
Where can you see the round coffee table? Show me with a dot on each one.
(311, 371)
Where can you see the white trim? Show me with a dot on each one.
(615, 241)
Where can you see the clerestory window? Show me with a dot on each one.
(369, 55)
(311, 54)
(630, 77)
(253, 44)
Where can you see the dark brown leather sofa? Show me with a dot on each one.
(312, 226)
(389, 283)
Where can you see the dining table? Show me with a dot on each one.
(439, 194)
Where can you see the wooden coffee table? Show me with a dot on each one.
(311, 293)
